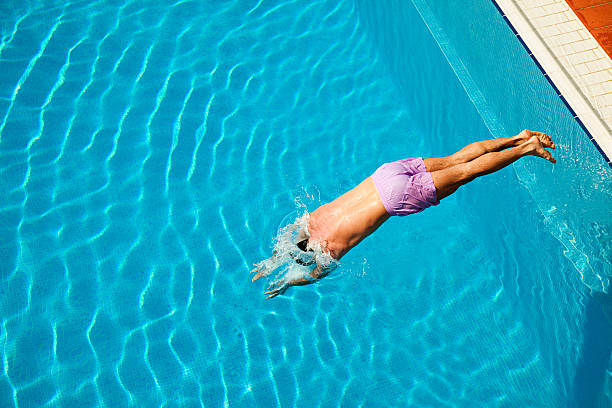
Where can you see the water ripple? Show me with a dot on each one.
(147, 155)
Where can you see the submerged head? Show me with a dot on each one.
(303, 246)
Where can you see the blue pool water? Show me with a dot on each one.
(149, 152)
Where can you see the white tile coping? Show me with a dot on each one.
(572, 59)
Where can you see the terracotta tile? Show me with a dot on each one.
(595, 17)
(603, 37)
(576, 4)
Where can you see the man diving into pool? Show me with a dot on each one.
(399, 188)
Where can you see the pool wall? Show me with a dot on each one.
(569, 56)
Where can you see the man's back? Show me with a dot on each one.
(346, 221)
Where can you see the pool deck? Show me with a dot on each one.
(571, 42)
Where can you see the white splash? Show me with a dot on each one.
(288, 262)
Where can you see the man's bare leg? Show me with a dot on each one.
(448, 180)
(477, 149)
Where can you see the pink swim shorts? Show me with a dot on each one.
(405, 186)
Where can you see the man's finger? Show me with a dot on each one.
(270, 290)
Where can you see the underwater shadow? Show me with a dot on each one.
(596, 352)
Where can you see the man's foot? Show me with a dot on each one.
(545, 140)
(537, 148)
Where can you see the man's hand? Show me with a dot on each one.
(276, 289)
(258, 275)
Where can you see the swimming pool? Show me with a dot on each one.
(150, 152)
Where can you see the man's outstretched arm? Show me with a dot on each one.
(319, 272)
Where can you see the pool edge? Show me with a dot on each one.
(563, 71)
